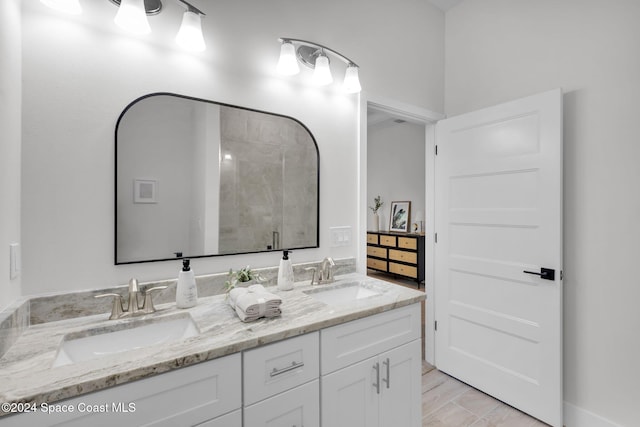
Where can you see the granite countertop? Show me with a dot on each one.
(28, 376)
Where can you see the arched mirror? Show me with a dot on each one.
(200, 178)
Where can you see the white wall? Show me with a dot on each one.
(395, 168)
(80, 72)
(499, 50)
(10, 145)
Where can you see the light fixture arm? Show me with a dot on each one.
(192, 8)
(319, 46)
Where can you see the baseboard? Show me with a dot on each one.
(578, 417)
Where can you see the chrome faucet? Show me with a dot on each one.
(324, 274)
(134, 308)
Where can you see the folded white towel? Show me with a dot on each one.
(254, 302)
(251, 317)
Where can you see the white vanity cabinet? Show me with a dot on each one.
(365, 372)
(207, 394)
(371, 371)
(280, 383)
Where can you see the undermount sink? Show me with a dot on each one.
(95, 343)
(343, 293)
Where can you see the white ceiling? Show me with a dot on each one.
(445, 4)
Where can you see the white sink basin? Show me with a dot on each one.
(343, 293)
(96, 343)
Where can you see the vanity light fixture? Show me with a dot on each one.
(190, 34)
(313, 55)
(67, 6)
(322, 73)
(132, 17)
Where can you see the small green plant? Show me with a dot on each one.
(245, 274)
(377, 205)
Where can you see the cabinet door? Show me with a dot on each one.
(350, 396)
(400, 382)
(184, 397)
(297, 407)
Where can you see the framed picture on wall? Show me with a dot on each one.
(145, 191)
(399, 217)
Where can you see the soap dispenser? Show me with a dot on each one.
(285, 273)
(186, 291)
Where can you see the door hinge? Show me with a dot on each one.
(436, 325)
(561, 275)
(436, 150)
(436, 237)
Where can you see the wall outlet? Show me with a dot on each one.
(340, 236)
(14, 260)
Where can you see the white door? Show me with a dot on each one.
(498, 222)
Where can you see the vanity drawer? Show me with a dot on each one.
(352, 342)
(372, 238)
(377, 264)
(297, 407)
(375, 251)
(388, 240)
(408, 243)
(280, 366)
(404, 256)
(405, 270)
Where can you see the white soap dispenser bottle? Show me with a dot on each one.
(285, 273)
(186, 291)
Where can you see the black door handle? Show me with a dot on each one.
(545, 273)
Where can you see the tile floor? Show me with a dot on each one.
(447, 402)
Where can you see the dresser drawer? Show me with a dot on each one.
(408, 242)
(351, 342)
(377, 264)
(405, 270)
(404, 256)
(372, 238)
(375, 251)
(280, 366)
(388, 241)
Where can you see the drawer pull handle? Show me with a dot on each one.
(275, 372)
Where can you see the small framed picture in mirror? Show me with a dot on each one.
(145, 191)
(399, 217)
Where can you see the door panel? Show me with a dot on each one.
(499, 213)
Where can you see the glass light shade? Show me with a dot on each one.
(288, 64)
(190, 34)
(66, 6)
(322, 73)
(351, 81)
(132, 17)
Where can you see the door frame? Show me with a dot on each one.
(429, 118)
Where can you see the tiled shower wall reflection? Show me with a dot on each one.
(268, 183)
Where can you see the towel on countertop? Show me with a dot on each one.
(254, 302)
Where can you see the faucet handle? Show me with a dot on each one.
(116, 309)
(133, 285)
(147, 306)
(313, 275)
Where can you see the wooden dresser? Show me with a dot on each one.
(401, 254)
